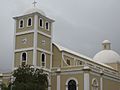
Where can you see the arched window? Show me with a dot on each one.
(94, 84)
(29, 22)
(47, 26)
(24, 58)
(21, 23)
(41, 22)
(72, 85)
(43, 59)
(68, 62)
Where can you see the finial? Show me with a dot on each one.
(106, 45)
(34, 3)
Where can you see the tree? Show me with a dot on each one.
(3, 86)
(29, 78)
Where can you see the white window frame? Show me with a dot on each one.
(44, 61)
(26, 58)
(42, 22)
(93, 84)
(72, 78)
(48, 25)
(23, 23)
(28, 22)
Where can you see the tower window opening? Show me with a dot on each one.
(29, 22)
(21, 24)
(43, 57)
(41, 22)
(47, 26)
(24, 58)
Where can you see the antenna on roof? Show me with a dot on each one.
(34, 3)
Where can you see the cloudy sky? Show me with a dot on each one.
(81, 25)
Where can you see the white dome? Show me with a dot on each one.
(106, 41)
(33, 10)
(107, 56)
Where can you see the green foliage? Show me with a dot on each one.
(3, 86)
(27, 78)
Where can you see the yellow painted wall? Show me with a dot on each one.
(110, 84)
(47, 45)
(39, 63)
(17, 60)
(94, 76)
(72, 62)
(53, 82)
(43, 29)
(57, 57)
(25, 23)
(65, 77)
(29, 43)
(113, 65)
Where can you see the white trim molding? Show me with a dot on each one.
(45, 51)
(51, 44)
(101, 83)
(14, 44)
(72, 78)
(25, 32)
(86, 81)
(49, 82)
(40, 32)
(35, 40)
(25, 49)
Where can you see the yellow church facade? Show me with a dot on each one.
(67, 69)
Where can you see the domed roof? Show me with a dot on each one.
(33, 10)
(107, 55)
(106, 41)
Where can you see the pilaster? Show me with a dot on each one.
(86, 78)
(58, 79)
(35, 40)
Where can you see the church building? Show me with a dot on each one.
(67, 70)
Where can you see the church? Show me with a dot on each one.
(67, 70)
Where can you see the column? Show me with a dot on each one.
(58, 79)
(101, 80)
(35, 40)
(86, 78)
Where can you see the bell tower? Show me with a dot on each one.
(33, 39)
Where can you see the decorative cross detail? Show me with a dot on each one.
(34, 3)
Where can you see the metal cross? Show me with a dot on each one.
(34, 3)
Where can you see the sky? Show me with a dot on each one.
(80, 25)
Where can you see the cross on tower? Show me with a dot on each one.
(34, 3)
